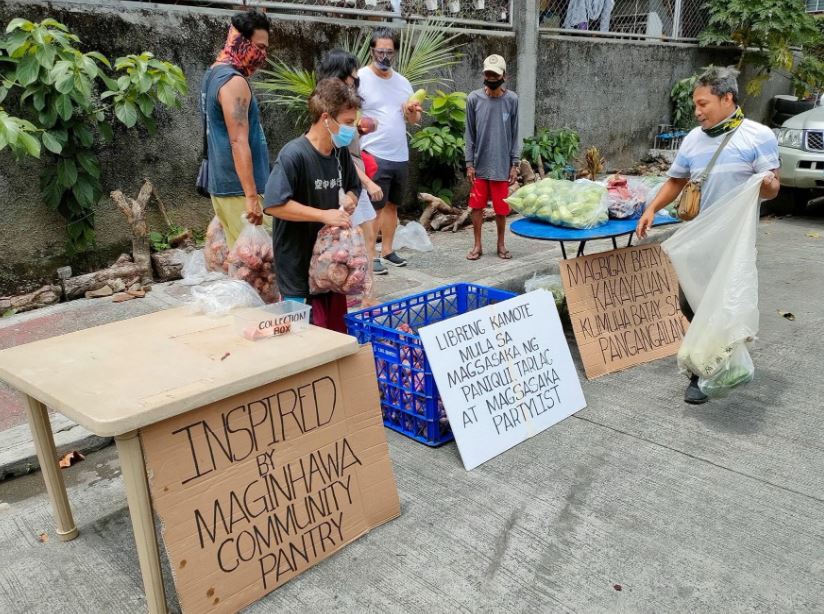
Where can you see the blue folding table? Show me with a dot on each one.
(534, 229)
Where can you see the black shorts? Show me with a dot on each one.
(393, 179)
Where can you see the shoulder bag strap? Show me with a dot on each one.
(703, 176)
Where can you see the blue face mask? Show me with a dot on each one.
(344, 136)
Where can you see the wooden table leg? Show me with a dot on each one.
(44, 444)
(140, 509)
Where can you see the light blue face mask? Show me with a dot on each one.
(344, 136)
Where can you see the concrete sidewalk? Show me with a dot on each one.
(445, 264)
(638, 503)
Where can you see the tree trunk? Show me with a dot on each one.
(47, 295)
(441, 220)
(435, 206)
(527, 174)
(129, 272)
(168, 264)
(135, 212)
(462, 220)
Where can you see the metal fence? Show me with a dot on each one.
(485, 13)
(369, 9)
(663, 20)
(678, 20)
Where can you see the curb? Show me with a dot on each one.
(17, 454)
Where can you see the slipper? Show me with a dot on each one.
(474, 254)
(504, 255)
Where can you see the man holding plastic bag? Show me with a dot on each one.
(314, 184)
(731, 164)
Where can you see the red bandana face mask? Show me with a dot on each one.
(241, 53)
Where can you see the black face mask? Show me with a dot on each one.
(383, 62)
(493, 85)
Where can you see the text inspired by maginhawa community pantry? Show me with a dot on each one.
(291, 513)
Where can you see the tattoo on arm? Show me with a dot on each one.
(240, 111)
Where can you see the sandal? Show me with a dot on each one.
(474, 254)
(504, 254)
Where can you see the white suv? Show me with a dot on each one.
(801, 148)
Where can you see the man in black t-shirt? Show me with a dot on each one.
(312, 178)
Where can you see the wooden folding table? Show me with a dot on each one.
(118, 378)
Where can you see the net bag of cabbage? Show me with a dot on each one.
(576, 204)
(340, 262)
(715, 258)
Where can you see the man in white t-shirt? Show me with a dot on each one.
(385, 95)
(751, 150)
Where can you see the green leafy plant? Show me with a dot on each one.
(66, 100)
(683, 108)
(766, 32)
(441, 145)
(551, 150)
(449, 110)
(439, 190)
(808, 76)
(164, 240)
(18, 135)
(425, 55)
(158, 241)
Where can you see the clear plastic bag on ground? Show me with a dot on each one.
(551, 283)
(194, 271)
(715, 258)
(738, 369)
(576, 204)
(220, 297)
(216, 248)
(339, 262)
(626, 196)
(252, 260)
(412, 236)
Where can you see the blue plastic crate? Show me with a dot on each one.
(409, 397)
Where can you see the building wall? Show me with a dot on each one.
(615, 93)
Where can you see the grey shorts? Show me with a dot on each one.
(393, 178)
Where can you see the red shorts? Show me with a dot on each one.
(484, 190)
(328, 311)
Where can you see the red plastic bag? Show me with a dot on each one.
(339, 262)
(252, 260)
(216, 248)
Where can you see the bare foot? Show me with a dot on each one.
(474, 253)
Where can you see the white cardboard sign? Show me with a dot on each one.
(504, 373)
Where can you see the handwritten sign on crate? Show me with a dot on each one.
(624, 307)
(255, 489)
(504, 373)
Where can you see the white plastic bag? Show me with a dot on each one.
(626, 196)
(251, 259)
(216, 248)
(551, 283)
(194, 270)
(715, 258)
(218, 298)
(413, 236)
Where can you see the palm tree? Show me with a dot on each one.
(425, 57)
